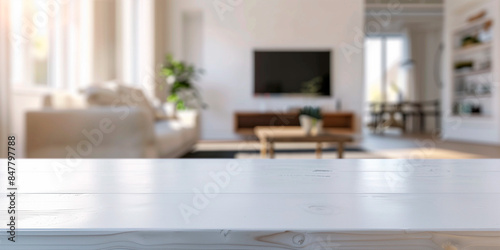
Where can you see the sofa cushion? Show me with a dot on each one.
(117, 94)
(64, 100)
(161, 114)
(135, 97)
(99, 96)
(190, 134)
(170, 135)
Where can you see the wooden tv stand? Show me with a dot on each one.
(245, 122)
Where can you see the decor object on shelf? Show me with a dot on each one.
(486, 33)
(478, 16)
(475, 109)
(485, 89)
(179, 78)
(470, 41)
(464, 66)
(467, 108)
(311, 117)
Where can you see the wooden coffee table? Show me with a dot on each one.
(270, 135)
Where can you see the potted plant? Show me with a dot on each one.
(310, 117)
(179, 78)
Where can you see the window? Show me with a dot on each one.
(30, 41)
(50, 43)
(385, 76)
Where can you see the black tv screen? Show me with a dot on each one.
(292, 72)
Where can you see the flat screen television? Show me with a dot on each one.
(292, 73)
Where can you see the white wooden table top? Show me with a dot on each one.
(103, 196)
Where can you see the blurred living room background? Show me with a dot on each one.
(408, 79)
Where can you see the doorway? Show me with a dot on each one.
(386, 77)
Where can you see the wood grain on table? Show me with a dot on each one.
(252, 204)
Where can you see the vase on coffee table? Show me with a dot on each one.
(310, 117)
(306, 123)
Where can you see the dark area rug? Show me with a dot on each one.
(228, 154)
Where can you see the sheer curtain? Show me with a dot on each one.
(136, 44)
(4, 77)
(76, 39)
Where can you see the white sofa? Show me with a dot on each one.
(70, 126)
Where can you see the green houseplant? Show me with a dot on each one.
(179, 78)
(310, 117)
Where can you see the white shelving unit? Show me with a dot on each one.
(472, 85)
(471, 94)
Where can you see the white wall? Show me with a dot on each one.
(230, 38)
(425, 44)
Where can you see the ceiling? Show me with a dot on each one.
(409, 7)
(405, 1)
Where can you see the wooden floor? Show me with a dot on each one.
(397, 146)
(255, 204)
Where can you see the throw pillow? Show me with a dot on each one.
(130, 96)
(64, 100)
(100, 96)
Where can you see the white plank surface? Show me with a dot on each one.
(308, 204)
